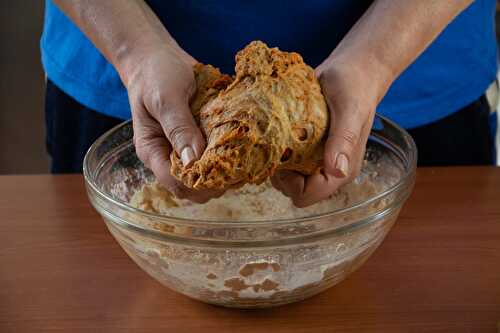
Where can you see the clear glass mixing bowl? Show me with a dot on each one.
(248, 264)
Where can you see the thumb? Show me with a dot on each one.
(344, 144)
(182, 131)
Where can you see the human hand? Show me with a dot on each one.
(160, 85)
(352, 100)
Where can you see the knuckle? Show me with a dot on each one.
(148, 149)
(136, 101)
(158, 102)
(175, 133)
(349, 136)
(327, 75)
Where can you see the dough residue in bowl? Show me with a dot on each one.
(253, 202)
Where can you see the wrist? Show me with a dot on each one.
(364, 71)
(131, 58)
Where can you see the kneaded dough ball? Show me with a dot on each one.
(271, 117)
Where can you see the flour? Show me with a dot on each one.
(252, 202)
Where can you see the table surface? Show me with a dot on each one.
(438, 270)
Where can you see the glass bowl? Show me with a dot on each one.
(250, 263)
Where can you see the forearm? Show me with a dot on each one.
(391, 35)
(123, 31)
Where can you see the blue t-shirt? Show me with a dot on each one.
(453, 72)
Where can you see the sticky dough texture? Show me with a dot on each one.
(271, 116)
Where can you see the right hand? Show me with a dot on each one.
(160, 85)
(351, 99)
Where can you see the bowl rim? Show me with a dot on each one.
(406, 179)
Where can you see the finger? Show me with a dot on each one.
(306, 190)
(153, 149)
(365, 133)
(149, 139)
(276, 182)
(288, 182)
(343, 146)
(317, 187)
(182, 131)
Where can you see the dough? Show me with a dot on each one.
(271, 117)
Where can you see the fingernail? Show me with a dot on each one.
(187, 156)
(342, 165)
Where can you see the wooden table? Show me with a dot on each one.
(438, 270)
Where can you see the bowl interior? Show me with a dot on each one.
(113, 168)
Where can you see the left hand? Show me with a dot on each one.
(160, 82)
(352, 99)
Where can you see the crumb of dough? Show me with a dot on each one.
(153, 198)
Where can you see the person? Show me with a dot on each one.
(424, 64)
